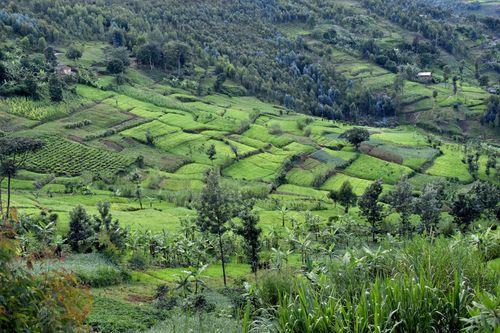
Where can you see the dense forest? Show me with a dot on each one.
(249, 166)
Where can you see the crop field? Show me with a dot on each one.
(64, 157)
(371, 168)
(451, 164)
(41, 110)
(183, 127)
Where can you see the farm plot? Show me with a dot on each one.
(185, 121)
(308, 172)
(261, 133)
(137, 107)
(371, 168)
(335, 182)
(413, 157)
(155, 128)
(338, 158)
(403, 136)
(94, 119)
(263, 166)
(197, 151)
(289, 189)
(64, 157)
(42, 109)
(450, 164)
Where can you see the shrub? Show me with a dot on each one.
(139, 261)
(197, 303)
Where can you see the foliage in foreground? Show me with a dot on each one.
(419, 287)
(50, 302)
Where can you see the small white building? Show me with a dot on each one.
(424, 75)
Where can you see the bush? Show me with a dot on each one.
(197, 303)
(139, 261)
(274, 285)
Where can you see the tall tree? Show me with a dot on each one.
(81, 233)
(402, 202)
(55, 88)
(428, 206)
(370, 207)
(216, 207)
(345, 196)
(13, 155)
(211, 152)
(251, 233)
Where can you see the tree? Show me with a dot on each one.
(73, 53)
(135, 177)
(345, 196)
(429, 205)
(151, 55)
(356, 136)
(13, 155)
(177, 55)
(55, 88)
(402, 202)
(370, 207)
(115, 66)
(251, 233)
(283, 212)
(455, 88)
(211, 152)
(216, 207)
(81, 233)
(50, 56)
(465, 210)
(150, 139)
(446, 74)
(491, 163)
(234, 149)
(219, 82)
(399, 83)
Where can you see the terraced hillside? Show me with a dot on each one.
(165, 134)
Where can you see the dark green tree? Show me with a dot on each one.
(251, 233)
(13, 155)
(115, 66)
(150, 55)
(216, 207)
(50, 56)
(401, 201)
(73, 53)
(345, 196)
(356, 136)
(465, 209)
(81, 233)
(370, 207)
(428, 206)
(211, 152)
(55, 88)
(177, 55)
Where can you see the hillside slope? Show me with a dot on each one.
(349, 60)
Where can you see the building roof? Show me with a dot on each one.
(424, 74)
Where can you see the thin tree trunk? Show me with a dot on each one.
(222, 259)
(8, 196)
(1, 202)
